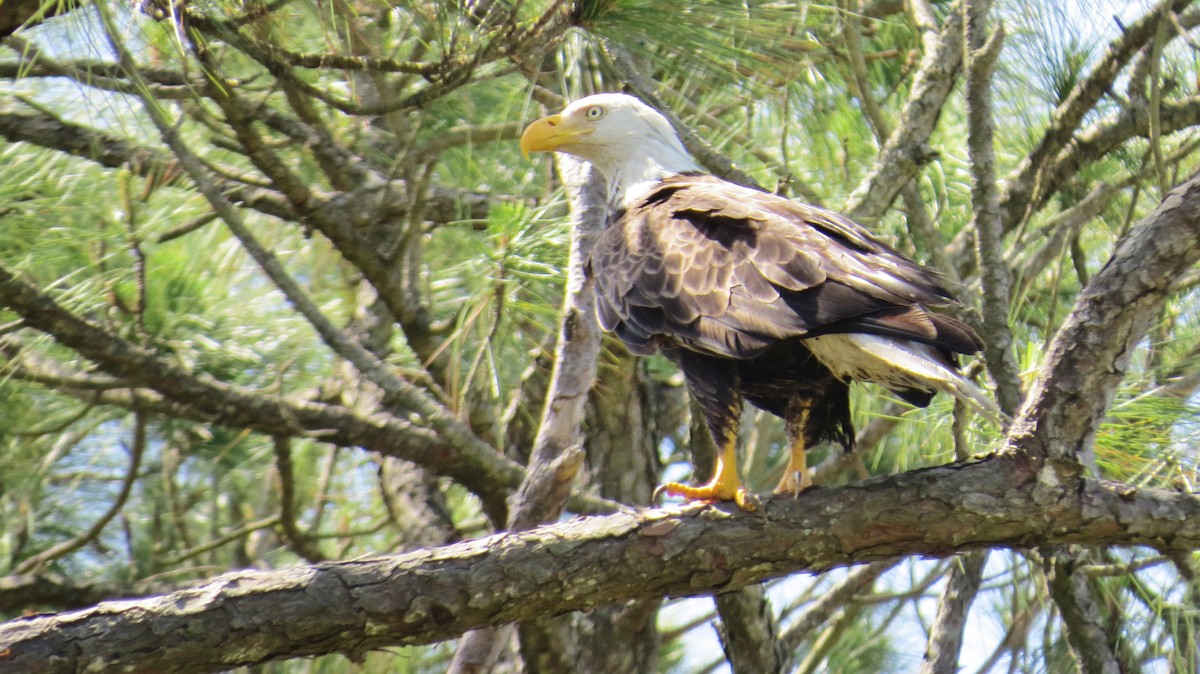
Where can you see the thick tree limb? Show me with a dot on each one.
(1090, 354)
(432, 595)
(749, 633)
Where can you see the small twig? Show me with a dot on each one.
(186, 228)
(1105, 570)
(220, 541)
(66, 547)
(297, 540)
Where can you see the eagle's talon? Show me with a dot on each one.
(747, 500)
(794, 482)
(659, 491)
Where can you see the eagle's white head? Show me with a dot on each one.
(631, 143)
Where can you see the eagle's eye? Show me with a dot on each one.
(595, 112)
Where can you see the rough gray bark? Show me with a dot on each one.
(627, 416)
(981, 51)
(1090, 354)
(907, 149)
(432, 595)
(557, 452)
(543, 494)
(945, 640)
(1081, 615)
(749, 633)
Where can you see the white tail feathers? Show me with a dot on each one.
(900, 364)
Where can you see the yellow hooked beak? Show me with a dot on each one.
(550, 133)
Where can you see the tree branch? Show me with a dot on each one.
(136, 450)
(432, 595)
(1091, 352)
(557, 455)
(981, 54)
(945, 639)
(1029, 185)
(215, 400)
(1081, 616)
(907, 148)
(749, 633)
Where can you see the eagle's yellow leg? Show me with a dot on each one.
(725, 484)
(796, 477)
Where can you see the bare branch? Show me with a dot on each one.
(432, 595)
(1064, 408)
(982, 52)
(907, 149)
(945, 639)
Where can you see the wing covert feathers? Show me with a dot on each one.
(722, 270)
(728, 271)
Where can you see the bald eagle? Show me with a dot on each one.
(753, 296)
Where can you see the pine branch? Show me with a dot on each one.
(432, 595)
(1030, 185)
(907, 148)
(945, 639)
(557, 456)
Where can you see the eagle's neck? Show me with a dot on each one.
(633, 170)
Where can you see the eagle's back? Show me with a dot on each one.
(729, 271)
